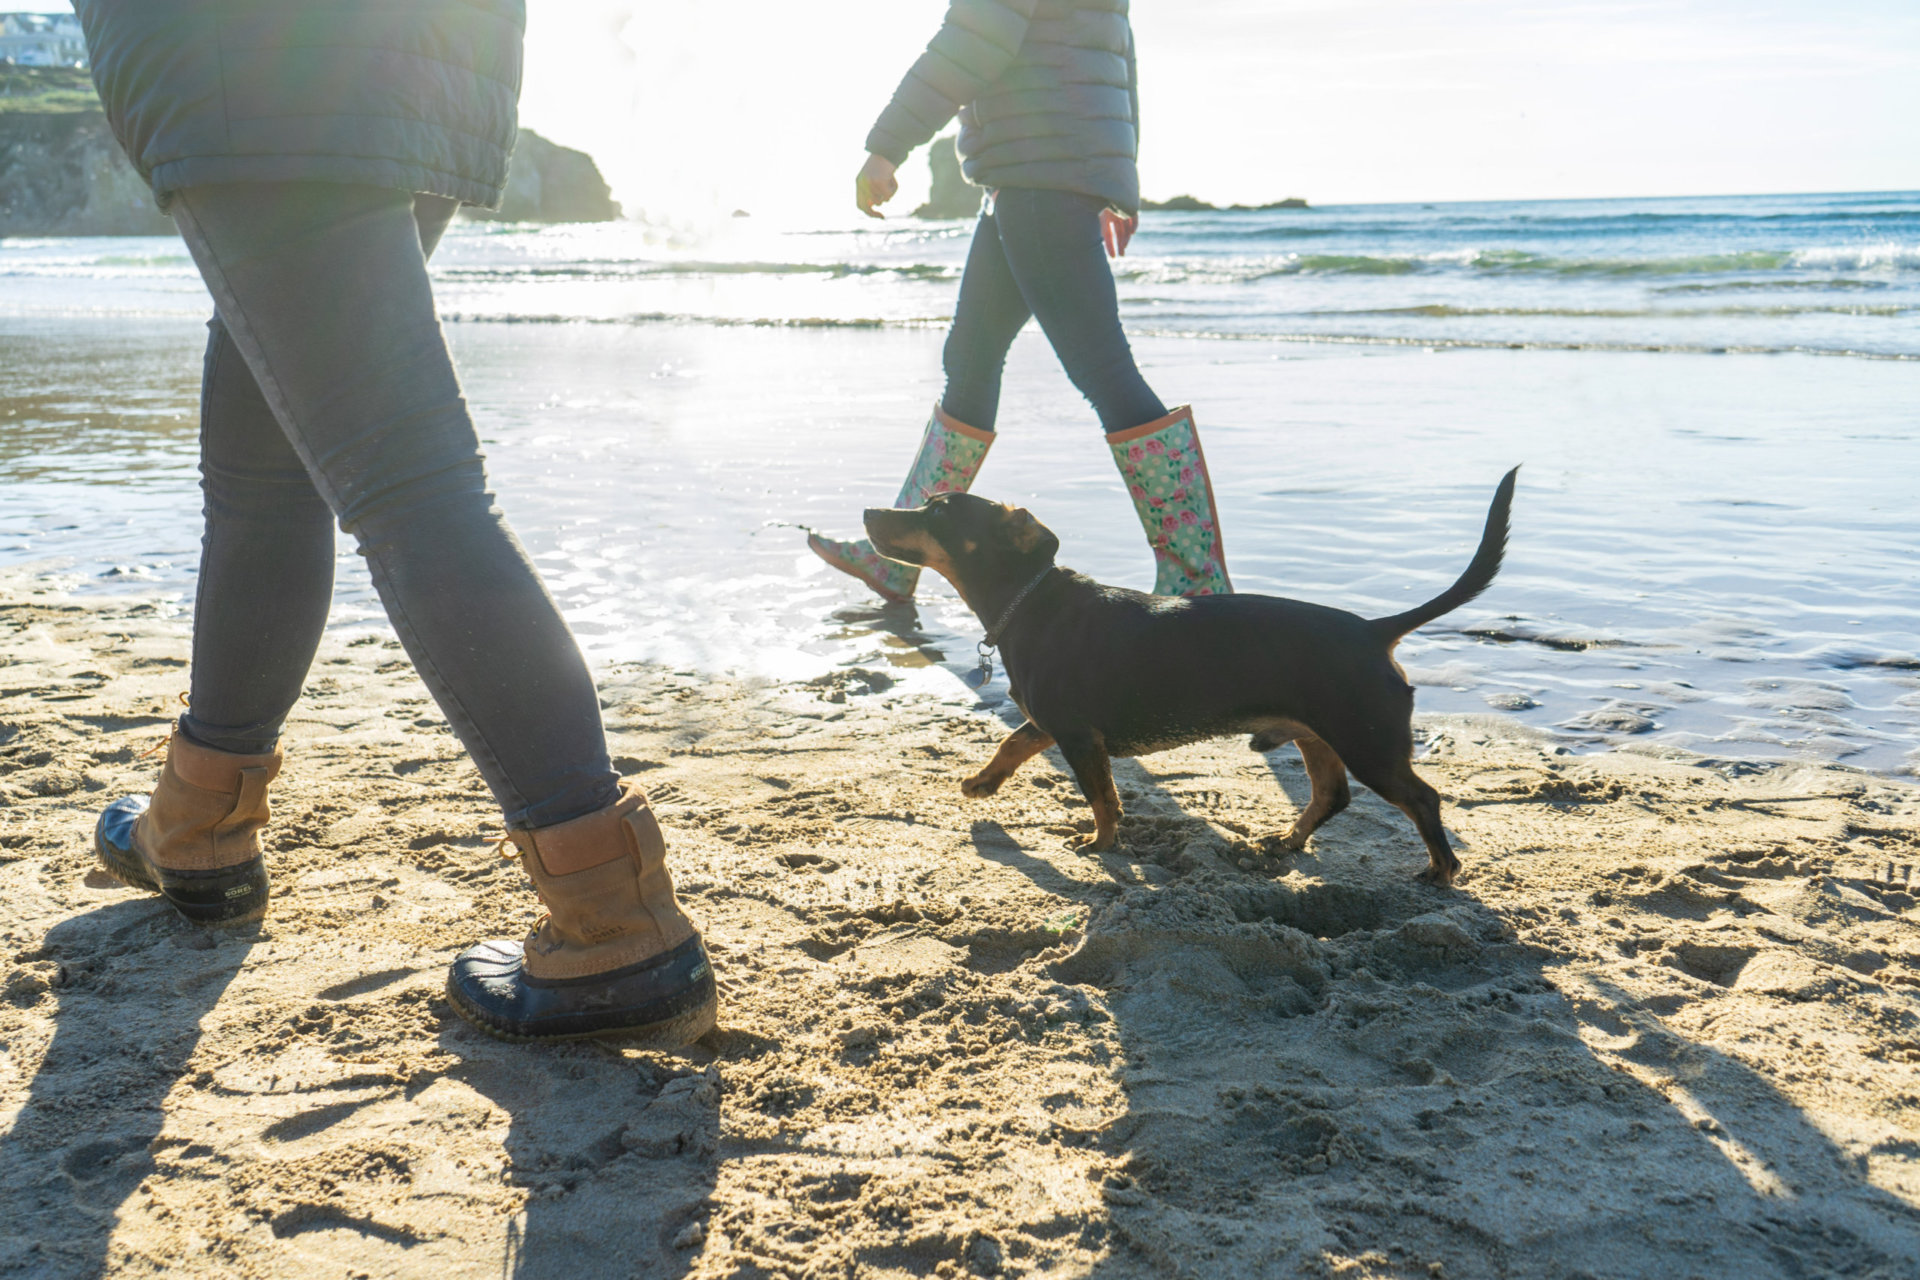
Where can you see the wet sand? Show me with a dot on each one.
(1665, 1025)
(1747, 597)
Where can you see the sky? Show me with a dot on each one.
(765, 104)
(695, 107)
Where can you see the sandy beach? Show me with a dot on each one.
(1665, 1025)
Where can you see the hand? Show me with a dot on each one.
(1116, 229)
(875, 185)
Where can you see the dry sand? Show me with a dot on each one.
(1664, 1027)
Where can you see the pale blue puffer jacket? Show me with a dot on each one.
(1046, 92)
(420, 95)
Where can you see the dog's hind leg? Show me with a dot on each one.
(1397, 784)
(1086, 754)
(1018, 747)
(1331, 794)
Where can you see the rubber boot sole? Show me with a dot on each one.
(662, 1003)
(229, 896)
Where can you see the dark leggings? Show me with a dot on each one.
(1039, 253)
(329, 395)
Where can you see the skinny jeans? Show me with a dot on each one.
(328, 395)
(1039, 254)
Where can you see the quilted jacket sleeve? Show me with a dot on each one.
(975, 43)
(1133, 93)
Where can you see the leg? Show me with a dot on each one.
(266, 562)
(1421, 802)
(266, 565)
(987, 318)
(1052, 243)
(1087, 756)
(1330, 792)
(1018, 747)
(1394, 780)
(325, 293)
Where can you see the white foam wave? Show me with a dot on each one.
(1885, 256)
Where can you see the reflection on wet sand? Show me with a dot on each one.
(1742, 598)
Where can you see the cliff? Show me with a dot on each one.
(63, 174)
(551, 183)
(1193, 204)
(952, 195)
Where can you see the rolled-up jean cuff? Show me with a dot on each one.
(243, 740)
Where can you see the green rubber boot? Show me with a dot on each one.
(1166, 476)
(950, 456)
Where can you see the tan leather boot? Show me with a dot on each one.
(615, 954)
(196, 839)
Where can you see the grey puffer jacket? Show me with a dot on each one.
(420, 95)
(1046, 93)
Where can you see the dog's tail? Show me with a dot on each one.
(1477, 578)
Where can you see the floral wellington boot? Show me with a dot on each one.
(950, 456)
(1166, 476)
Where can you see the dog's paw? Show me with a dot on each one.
(1269, 740)
(1094, 844)
(1439, 877)
(1295, 841)
(979, 785)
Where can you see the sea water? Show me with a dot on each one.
(1716, 534)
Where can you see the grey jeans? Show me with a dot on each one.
(329, 395)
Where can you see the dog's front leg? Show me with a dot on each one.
(1018, 747)
(1086, 754)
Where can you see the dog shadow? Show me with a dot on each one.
(1408, 1068)
(133, 981)
(1409, 1091)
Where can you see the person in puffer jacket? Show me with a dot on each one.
(1049, 109)
(311, 153)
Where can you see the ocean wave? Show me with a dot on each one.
(1523, 262)
(1885, 256)
(1444, 311)
(640, 269)
(1437, 342)
(637, 318)
(1443, 343)
(1825, 285)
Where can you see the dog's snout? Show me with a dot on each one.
(881, 522)
(891, 532)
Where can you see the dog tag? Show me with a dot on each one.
(982, 674)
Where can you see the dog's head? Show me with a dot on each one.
(975, 544)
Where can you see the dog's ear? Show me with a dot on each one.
(1024, 533)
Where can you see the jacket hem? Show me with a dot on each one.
(1125, 200)
(416, 179)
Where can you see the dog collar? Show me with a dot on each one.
(999, 628)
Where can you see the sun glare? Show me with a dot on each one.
(693, 110)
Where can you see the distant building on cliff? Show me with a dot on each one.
(42, 40)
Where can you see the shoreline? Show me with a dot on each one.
(1733, 601)
(1667, 1020)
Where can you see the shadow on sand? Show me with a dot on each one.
(89, 1133)
(1347, 1072)
(609, 1186)
(105, 1125)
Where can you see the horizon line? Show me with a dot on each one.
(1246, 206)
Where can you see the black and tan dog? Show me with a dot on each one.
(1105, 672)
